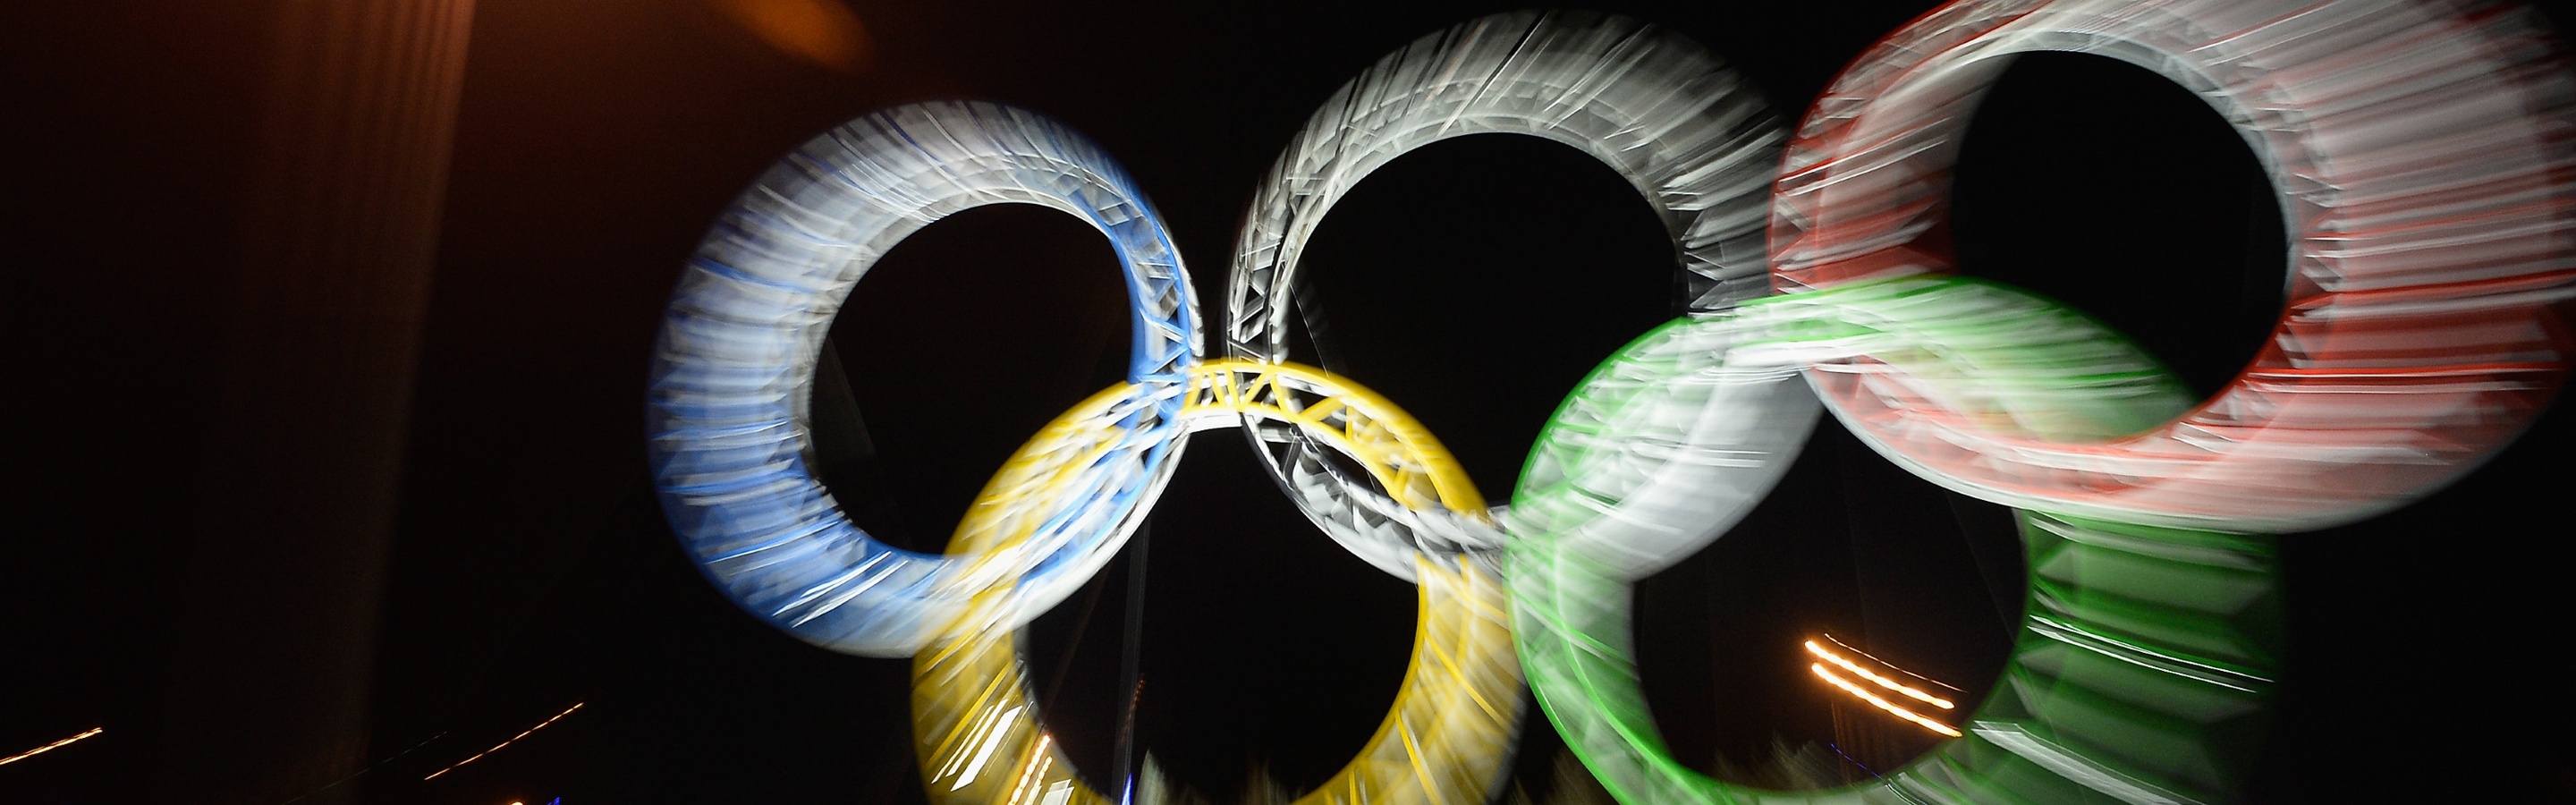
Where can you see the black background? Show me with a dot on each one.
(1473, 283)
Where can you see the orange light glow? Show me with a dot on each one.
(513, 739)
(49, 747)
(1884, 682)
(1883, 704)
(821, 32)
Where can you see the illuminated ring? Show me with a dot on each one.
(1653, 106)
(2421, 160)
(726, 417)
(1448, 737)
(2142, 672)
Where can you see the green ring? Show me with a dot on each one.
(2142, 672)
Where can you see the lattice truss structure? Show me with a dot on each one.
(1449, 733)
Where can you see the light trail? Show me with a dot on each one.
(513, 739)
(994, 731)
(1829, 638)
(1883, 704)
(362, 772)
(1884, 682)
(1038, 761)
(49, 747)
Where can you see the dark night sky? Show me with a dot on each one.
(1472, 283)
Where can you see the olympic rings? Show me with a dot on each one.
(726, 418)
(2419, 153)
(2424, 330)
(1654, 106)
(1444, 741)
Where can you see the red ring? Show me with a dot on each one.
(2422, 155)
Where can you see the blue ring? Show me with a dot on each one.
(735, 361)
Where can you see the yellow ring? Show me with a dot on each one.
(1445, 740)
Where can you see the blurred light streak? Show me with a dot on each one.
(362, 772)
(1875, 679)
(1038, 761)
(820, 32)
(992, 740)
(2074, 766)
(513, 739)
(1882, 704)
(50, 747)
(2146, 657)
(1829, 638)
